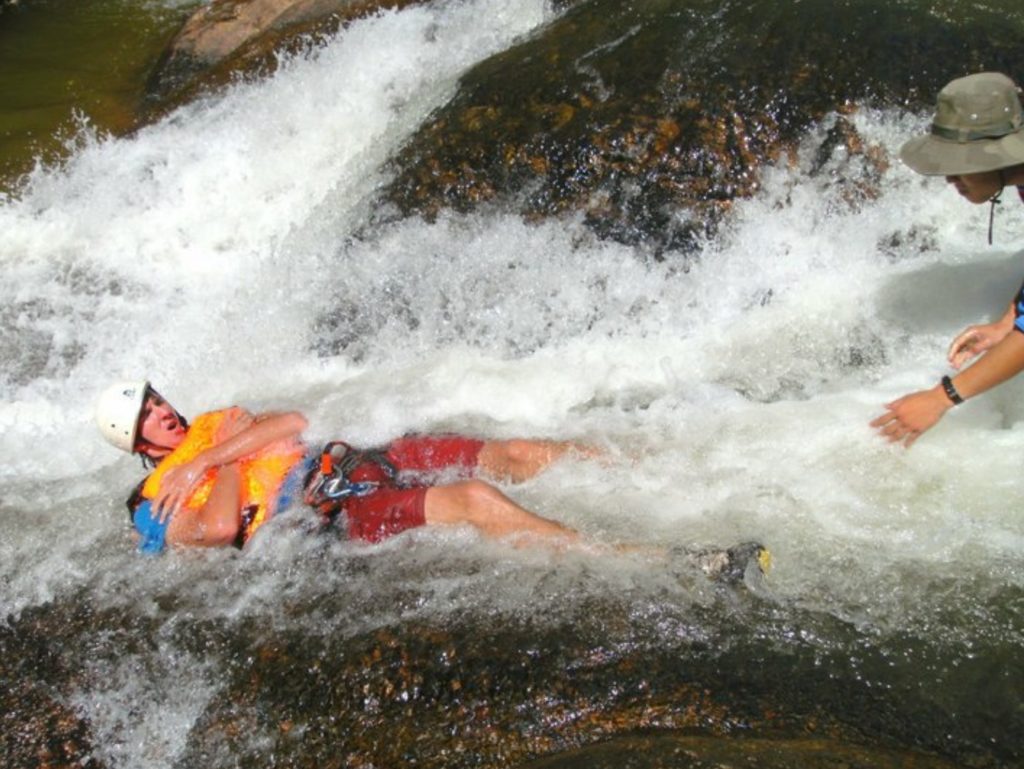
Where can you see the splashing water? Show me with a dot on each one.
(226, 253)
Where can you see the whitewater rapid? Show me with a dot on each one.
(224, 253)
(227, 253)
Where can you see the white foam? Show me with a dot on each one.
(732, 398)
(165, 253)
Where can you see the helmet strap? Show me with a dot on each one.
(994, 200)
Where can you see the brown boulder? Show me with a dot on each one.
(649, 118)
(230, 37)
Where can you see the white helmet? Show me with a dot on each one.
(117, 412)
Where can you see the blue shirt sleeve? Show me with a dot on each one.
(1018, 322)
(153, 533)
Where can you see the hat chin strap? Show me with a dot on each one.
(994, 200)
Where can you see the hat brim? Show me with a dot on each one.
(934, 156)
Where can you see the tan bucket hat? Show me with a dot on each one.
(977, 127)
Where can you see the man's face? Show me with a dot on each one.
(159, 424)
(977, 188)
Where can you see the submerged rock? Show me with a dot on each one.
(651, 117)
(231, 37)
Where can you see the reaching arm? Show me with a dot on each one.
(1004, 361)
(257, 433)
(905, 419)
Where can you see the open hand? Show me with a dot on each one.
(906, 418)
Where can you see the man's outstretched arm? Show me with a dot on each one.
(908, 417)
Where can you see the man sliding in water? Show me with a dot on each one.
(219, 479)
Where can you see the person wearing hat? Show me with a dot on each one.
(977, 143)
(216, 480)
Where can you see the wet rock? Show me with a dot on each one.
(486, 693)
(39, 732)
(37, 728)
(228, 38)
(677, 751)
(650, 118)
(445, 699)
(605, 683)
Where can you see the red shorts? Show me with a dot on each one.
(392, 509)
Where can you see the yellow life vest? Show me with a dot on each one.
(262, 473)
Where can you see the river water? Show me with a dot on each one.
(225, 253)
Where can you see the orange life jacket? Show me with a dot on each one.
(262, 472)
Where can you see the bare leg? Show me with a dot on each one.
(494, 515)
(517, 460)
(491, 512)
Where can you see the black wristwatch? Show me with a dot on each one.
(947, 385)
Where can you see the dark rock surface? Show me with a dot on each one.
(37, 728)
(723, 684)
(650, 117)
(677, 751)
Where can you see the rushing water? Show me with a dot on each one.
(225, 253)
